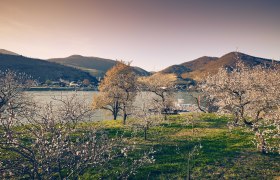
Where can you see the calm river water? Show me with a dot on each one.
(43, 97)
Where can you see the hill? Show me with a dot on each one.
(42, 70)
(4, 51)
(201, 67)
(94, 65)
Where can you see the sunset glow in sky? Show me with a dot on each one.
(152, 33)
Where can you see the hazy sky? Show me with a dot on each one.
(152, 33)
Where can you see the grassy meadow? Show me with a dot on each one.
(199, 145)
(192, 146)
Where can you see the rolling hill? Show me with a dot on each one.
(77, 67)
(4, 51)
(201, 67)
(94, 65)
(41, 70)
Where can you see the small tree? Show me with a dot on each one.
(204, 102)
(145, 113)
(48, 82)
(252, 96)
(86, 82)
(163, 87)
(104, 101)
(12, 98)
(49, 143)
(117, 90)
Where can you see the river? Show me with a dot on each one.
(43, 97)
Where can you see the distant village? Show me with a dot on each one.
(86, 84)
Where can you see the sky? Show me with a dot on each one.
(153, 34)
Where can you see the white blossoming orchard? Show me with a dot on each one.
(252, 96)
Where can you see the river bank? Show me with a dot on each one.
(62, 89)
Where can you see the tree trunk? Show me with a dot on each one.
(116, 110)
(261, 141)
(165, 113)
(199, 104)
(115, 116)
(36, 173)
(124, 118)
(145, 132)
(262, 144)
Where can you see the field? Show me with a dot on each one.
(201, 146)
(192, 146)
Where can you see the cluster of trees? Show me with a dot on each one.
(50, 141)
(46, 141)
(252, 96)
(120, 86)
(42, 142)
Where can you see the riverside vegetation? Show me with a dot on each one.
(240, 140)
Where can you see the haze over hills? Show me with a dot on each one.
(41, 70)
(94, 65)
(77, 67)
(73, 68)
(199, 68)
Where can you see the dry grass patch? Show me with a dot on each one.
(198, 132)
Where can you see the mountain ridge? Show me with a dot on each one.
(92, 67)
(7, 52)
(42, 70)
(198, 68)
(96, 66)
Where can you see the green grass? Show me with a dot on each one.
(224, 154)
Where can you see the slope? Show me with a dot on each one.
(42, 70)
(201, 67)
(94, 65)
(4, 51)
